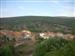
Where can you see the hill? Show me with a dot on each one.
(39, 23)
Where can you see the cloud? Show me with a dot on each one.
(67, 13)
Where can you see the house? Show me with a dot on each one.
(51, 34)
(44, 35)
(26, 34)
(47, 35)
(69, 36)
(59, 34)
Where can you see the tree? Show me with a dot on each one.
(49, 45)
(6, 48)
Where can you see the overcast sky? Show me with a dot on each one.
(11, 8)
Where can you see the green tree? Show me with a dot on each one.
(49, 45)
(7, 47)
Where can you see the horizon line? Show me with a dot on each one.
(35, 15)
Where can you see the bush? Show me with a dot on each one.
(67, 50)
(49, 45)
(6, 51)
(7, 47)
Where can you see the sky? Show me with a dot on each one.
(12, 8)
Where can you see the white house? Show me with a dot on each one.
(44, 35)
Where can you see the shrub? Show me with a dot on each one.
(49, 45)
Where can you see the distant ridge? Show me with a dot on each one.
(36, 16)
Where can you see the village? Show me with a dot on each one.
(27, 35)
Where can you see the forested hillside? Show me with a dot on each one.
(39, 23)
